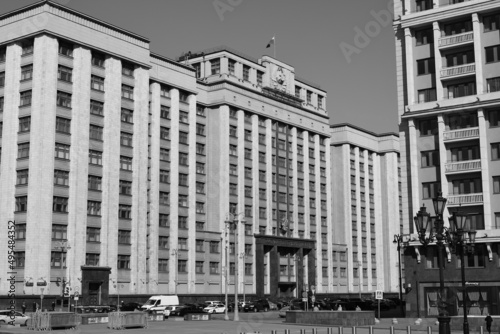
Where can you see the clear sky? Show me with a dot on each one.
(310, 36)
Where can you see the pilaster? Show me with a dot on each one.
(485, 172)
(438, 62)
(410, 75)
(478, 54)
(415, 185)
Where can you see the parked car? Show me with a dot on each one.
(257, 305)
(169, 309)
(130, 307)
(282, 312)
(19, 318)
(183, 310)
(215, 308)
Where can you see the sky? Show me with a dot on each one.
(342, 45)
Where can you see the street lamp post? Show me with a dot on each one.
(64, 246)
(359, 265)
(456, 238)
(398, 239)
(234, 223)
(175, 254)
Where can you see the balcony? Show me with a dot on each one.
(459, 39)
(466, 199)
(463, 166)
(461, 134)
(457, 71)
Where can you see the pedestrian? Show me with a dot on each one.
(34, 306)
(488, 320)
(53, 306)
(358, 308)
(23, 307)
(339, 308)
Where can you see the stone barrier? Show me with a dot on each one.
(335, 318)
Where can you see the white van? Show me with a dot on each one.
(159, 303)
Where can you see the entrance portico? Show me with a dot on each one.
(290, 284)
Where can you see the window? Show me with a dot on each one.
(127, 116)
(495, 151)
(246, 73)
(127, 92)
(94, 182)
(183, 201)
(164, 176)
(97, 83)
(124, 211)
(182, 222)
(25, 98)
(200, 129)
(126, 139)
(200, 148)
(184, 117)
(59, 232)
(215, 66)
(163, 220)
(1, 103)
(164, 198)
(200, 207)
(66, 49)
(183, 159)
(164, 133)
(21, 203)
(125, 163)
(422, 5)
(27, 73)
(459, 58)
(200, 187)
(125, 187)
(492, 53)
(183, 179)
(430, 189)
(233, 130)
(58, 260)
(96, 108)
(61, 177)
(262, 176)
(183, 137)
(248, 153)
(297, 91)
(123, 262)
(309, 97)
(93, 234)
(27, 47)
(22, 177)
(496, 184)
(214, 246)
(462, 89)
(231, 66)
(425, 66)
(320, 102)
(259, 78)
(60, 204)
(475, 260)
(199, 267)
(97, 59)
(427, 95)
(200, 226)
(200, 168)
(96, 132)
(95, 157)
(165, 91)
(63, 125)
(497, 220)
(64, 99)
(62, 151)
(262, 139)
(429, 158)
(63, 73)
(200, 111)
(93, 208)
(428, 127)
(164, 154)
(3, 54)
(214, 268)
(424, 36)
(248, 135)
(128, 69)
(493, 84)
(262, 213)
(165, 112)
(233, 150)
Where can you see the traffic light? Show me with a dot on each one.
(66, 291)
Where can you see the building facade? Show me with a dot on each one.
(115, 157)
(366, 209)
(448, 90)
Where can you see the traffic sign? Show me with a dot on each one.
(379, 294)
(304, 294)
(75, 298)
(77, 294)
(304, 299)
(307, 289)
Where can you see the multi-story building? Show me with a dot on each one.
(448, 88)
(119, 162)
(366, 209)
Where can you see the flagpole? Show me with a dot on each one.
(274, 45)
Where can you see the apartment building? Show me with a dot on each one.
(367, 209)
(123, 169)
(448, 89)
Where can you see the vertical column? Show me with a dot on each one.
(346, 205)
(241, 200)
(438, 61)
(208, 68)
(9, 152)
(41, 158)
(410, 76)
(173, 267)
(299, 264)
(255, 196)
(329, 214)
(415, 186)
(295, 188)
(478, 55)
(259, 270)
(269, 176)
(442, 161)
(140, 181)
(111, 168)
(311, 264)
(79, 164)
(317, 213)
(485, 173)
(154, 187)
(380, 210)
(274, 271)
(307, 199)
(357, 248)
(191, 264)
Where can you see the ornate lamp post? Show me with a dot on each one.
(459, 238)
(399, 239)
(233, 222)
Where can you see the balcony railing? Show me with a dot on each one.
(465, 199)
(467, 133)
(463, 166)
(458, 70)
(456, 39)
